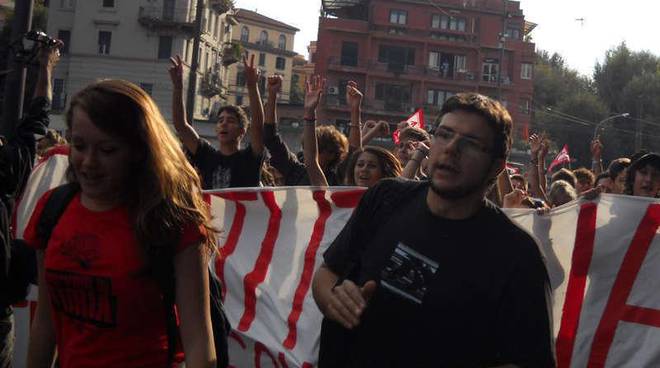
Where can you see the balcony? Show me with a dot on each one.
(158, 18)
(212, 85)
(348, 65)
(221, 6)
(267, 46)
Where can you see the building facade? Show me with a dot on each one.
(271, 43)
(134, 40)
(409, 54)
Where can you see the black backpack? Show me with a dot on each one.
(53, 210)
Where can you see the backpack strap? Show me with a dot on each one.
(58, 201)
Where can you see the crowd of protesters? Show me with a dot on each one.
(136, 236)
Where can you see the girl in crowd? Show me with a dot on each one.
(370, 164)
(130, 251)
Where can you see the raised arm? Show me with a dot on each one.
(532, 167)
(354, 99)
(415, 162)
(543, 152)
(48, 58)
(257, 108)
(373, 129)
(596, 156)
(274, 88)
(313, 92)
(187, 133)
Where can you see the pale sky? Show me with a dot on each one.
(606, 24)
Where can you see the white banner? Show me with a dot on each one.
(603, 259)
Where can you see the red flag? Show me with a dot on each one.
(414, 120)
(562, 158)
(512, 169)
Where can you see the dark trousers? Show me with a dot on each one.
(6, 337)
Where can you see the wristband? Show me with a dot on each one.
(309, 118)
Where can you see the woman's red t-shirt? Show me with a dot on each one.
(106, 311)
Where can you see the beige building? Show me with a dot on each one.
(133, 40)
(271, 43)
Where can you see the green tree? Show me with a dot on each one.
(629, 81)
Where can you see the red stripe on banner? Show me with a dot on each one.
(625, 279)
(282, 360)
(260, 348)
(230, 245)
(308, 269)
(347, 199)
(581, 260)
(239, 340)
(641, 315)
(237, 196)
(56, 150)
(258, 274)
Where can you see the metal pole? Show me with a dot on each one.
(12, 108)
(501, 61)
(638, 127)
(194, 65)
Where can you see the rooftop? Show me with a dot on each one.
(242, 14)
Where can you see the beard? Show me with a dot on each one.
(477, 186)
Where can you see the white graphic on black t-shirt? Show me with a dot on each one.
(221, 177)
(407, 273)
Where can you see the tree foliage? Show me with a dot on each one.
(625, 81)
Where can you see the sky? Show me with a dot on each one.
(606, 24)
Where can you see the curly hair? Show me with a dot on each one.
(237, 111)
(389, 164)
(333, 141)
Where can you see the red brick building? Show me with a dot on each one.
(408, 54)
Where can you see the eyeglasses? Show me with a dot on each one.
(444, 136)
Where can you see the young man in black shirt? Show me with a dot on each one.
(228, 167)
(430, 274)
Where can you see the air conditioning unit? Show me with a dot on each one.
(333, 90)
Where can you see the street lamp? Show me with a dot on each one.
(624, 115)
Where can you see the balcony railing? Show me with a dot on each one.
(211, 84)
(221, 6)
(156, 17)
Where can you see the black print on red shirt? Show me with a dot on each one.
(85, 298)
(407, 273)
(83, 248)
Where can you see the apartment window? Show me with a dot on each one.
(437, 97)
(108, 3)
(168, 9)
(490, 71)
(434, 60)
(524, 106)
(460, 63)
(349, 53)
(526, 71)
(513, 33)
(396, 56)
(239, 100)
(240, 79)
(262, 85)
(65, 36)
(280, 63)
(58, 94)
(447, 22)
(67, 4)
(263, 37)
(105, 39)
(282, 42)
(262, 59)
(164, 47)
(398, 16)
(245, 34)
(147, 87)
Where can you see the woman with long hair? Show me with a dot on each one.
(136, 231)
(370, 164)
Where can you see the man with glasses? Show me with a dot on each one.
(431, 274)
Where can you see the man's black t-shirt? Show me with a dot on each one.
(241, 169)
(452, 293)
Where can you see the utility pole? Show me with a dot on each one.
(501, 61)
(14, 94)
(194, 65)
(638, 125)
